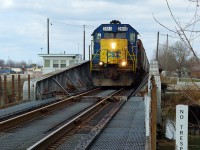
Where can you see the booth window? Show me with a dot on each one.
(55, 64)
(63, 64)
(46, 63)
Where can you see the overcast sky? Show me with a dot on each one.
(23, 26)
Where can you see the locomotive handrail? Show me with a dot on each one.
(93, 59)
(131, 55)
(95, 54)
(133, 59)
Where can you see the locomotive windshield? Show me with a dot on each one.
(98, 37)
(111, 35)
(132, 37)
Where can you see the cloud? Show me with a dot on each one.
(6, 4)
(23, 25)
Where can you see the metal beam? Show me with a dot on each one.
(83, 84)
(72, 82)
(38, 89)
(61, 86)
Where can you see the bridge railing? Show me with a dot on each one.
(71, 80)
(153, 106)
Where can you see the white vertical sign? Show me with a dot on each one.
(181, 127)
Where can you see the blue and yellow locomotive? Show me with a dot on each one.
(118, 57)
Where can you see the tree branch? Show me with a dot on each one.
(182, 32)
(164, 25)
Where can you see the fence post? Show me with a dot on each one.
(1, 91)
(19, 88)
(29, 86)
(153, 113)
(5, 90)
(13, 87)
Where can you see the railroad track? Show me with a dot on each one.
(27, 129)
(88, 113)
(90, 122)
(29, 114)
(11, 114)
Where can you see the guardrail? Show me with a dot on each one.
(153, 106)
(74, 79)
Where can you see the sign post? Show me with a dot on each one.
(181, 127)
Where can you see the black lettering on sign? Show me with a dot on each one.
(181, 111)
(181, 143)
(181, 137)
(181, 127)
(181, 116)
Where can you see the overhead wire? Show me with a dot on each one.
(74, 25)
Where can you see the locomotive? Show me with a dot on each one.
(118, 56)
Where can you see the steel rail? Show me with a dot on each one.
(52, 137)
(141, 85)
(98, 129)
(96, 132)
(36, 113)
(85, 144)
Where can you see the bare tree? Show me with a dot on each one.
(182, 55)
(166, 59)
(186, 32)
(22, 64)
(192, 62)
(175, 58)
(10, 63)
(2, 63)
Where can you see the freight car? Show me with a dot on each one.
(118, 56)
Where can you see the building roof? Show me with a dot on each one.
(16, 69)
(58, 55)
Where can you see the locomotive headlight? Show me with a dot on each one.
(124, 64)
(113, 45)
(101, 63)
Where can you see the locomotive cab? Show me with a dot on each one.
(114, 58)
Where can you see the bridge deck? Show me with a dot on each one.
(25, 106)
(126, 130)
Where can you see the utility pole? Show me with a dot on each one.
(83, 42)
(78, 48)
(9, 65)
(167, 47)
(89, 52)
(1, 92)
(47, 35)
(157, 46)
(91, 47)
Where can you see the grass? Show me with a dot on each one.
(174, 80)
(189, 80)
